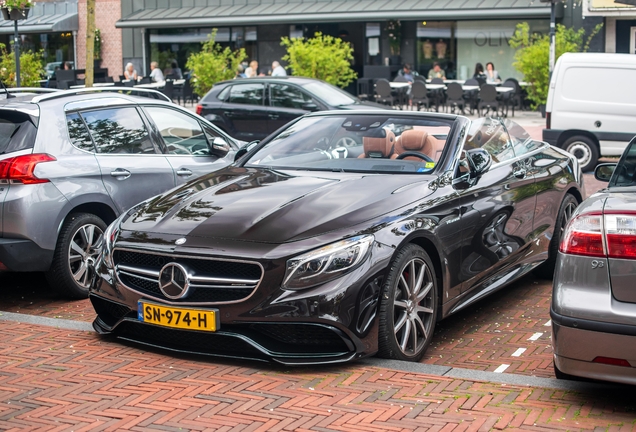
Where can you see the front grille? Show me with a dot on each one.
(212, 281)
(110, 312)
(302, 334)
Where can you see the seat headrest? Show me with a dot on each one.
(379, 147)
(414, 140)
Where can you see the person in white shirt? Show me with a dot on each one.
(278, 70)
(155, 73)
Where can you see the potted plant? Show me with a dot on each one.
(13, 10)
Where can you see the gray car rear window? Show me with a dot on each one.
(17, 132)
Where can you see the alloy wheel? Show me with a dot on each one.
(413, 308)
(83, 252)
(568, 211)
(581, 151)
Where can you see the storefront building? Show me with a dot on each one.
(51, 27)
(620, 23)
(457, 34)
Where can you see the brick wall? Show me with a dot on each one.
(107, 12)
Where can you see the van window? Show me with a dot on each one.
(585, 84)
(17, 132)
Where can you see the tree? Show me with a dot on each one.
(533, 51)
(213, 64)
(90, 43)
(30, 67)
(324, 57)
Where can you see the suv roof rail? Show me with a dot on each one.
(132, 91)
(39, 90)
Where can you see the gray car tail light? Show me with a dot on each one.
(608, 235)
(20, 169)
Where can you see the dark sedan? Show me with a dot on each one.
(344, 235)
(251, 109)
(594, 298)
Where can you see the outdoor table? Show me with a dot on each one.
(160, 85)
(399, 85)
(468, 88)
(435, 87)
(109, 84)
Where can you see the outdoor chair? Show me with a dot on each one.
(455, 97)
(383, 92)
(510, 99)
(145, 80)
(419, 78)
(471, 96)
(419, 95)
(488, 99)
(517, 99)
(168, 89)
(129, 83)
(437, 81)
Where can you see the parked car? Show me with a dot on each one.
(590, 109)
(72, 161)
(251, 109)
(594, 301)
(344, 235)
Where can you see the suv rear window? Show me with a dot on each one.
(17, 132)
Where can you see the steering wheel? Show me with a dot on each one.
(416, 154)
(346, 142)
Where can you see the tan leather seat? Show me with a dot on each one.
(419, 141)
(379, 147)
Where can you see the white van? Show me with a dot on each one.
(591, 108)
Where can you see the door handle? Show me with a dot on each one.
(184, 172)
(120, 172)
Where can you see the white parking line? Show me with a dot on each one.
(518, 352)
(501, 368)
(548, 324)
(535, 336)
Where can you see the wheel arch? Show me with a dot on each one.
(429, 247)
(575, 193)
(99, 209)
(566, 135)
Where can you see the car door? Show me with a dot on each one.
(287, 102)
(192, 149)
(499, 210)
(245, 112)
(132, 168)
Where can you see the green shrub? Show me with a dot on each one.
(323, 57)
(533, 52)
(31, 70)
(213, 64)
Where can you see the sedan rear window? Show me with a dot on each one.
(17, 132)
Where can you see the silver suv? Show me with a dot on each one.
(72, 161)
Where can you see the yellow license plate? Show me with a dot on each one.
(181, 318)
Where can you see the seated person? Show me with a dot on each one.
(408, 73)
(155, 73)
(436, 72)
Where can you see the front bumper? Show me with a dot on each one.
(577, 343)
(24, 255)
(319, 325)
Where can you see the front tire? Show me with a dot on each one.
(408, 306)
(584, 149)
(75, 253)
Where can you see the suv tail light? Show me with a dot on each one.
(199, 109)
(596, 235)
(20, 169)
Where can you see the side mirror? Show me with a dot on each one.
(475, 163)
(245, 149)
(310, 106)
(479, 161)
(220, 147)
(603, 172)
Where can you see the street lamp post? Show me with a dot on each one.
(15, 15)
(552, 33)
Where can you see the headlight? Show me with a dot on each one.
(327, 263)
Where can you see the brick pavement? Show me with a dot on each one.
(54, 379)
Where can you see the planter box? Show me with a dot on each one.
(15, 14)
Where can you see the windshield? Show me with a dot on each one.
(625, 172)
(357, 143)
(330, 94)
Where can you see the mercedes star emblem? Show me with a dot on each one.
(173, 281)
(180, 241)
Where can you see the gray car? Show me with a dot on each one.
(72, 161)
(594, 294)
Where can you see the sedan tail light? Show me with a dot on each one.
(20, 169)
(592, 234)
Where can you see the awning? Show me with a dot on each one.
(46, 17)
(239, 12)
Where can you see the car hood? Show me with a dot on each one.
(261, 205)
